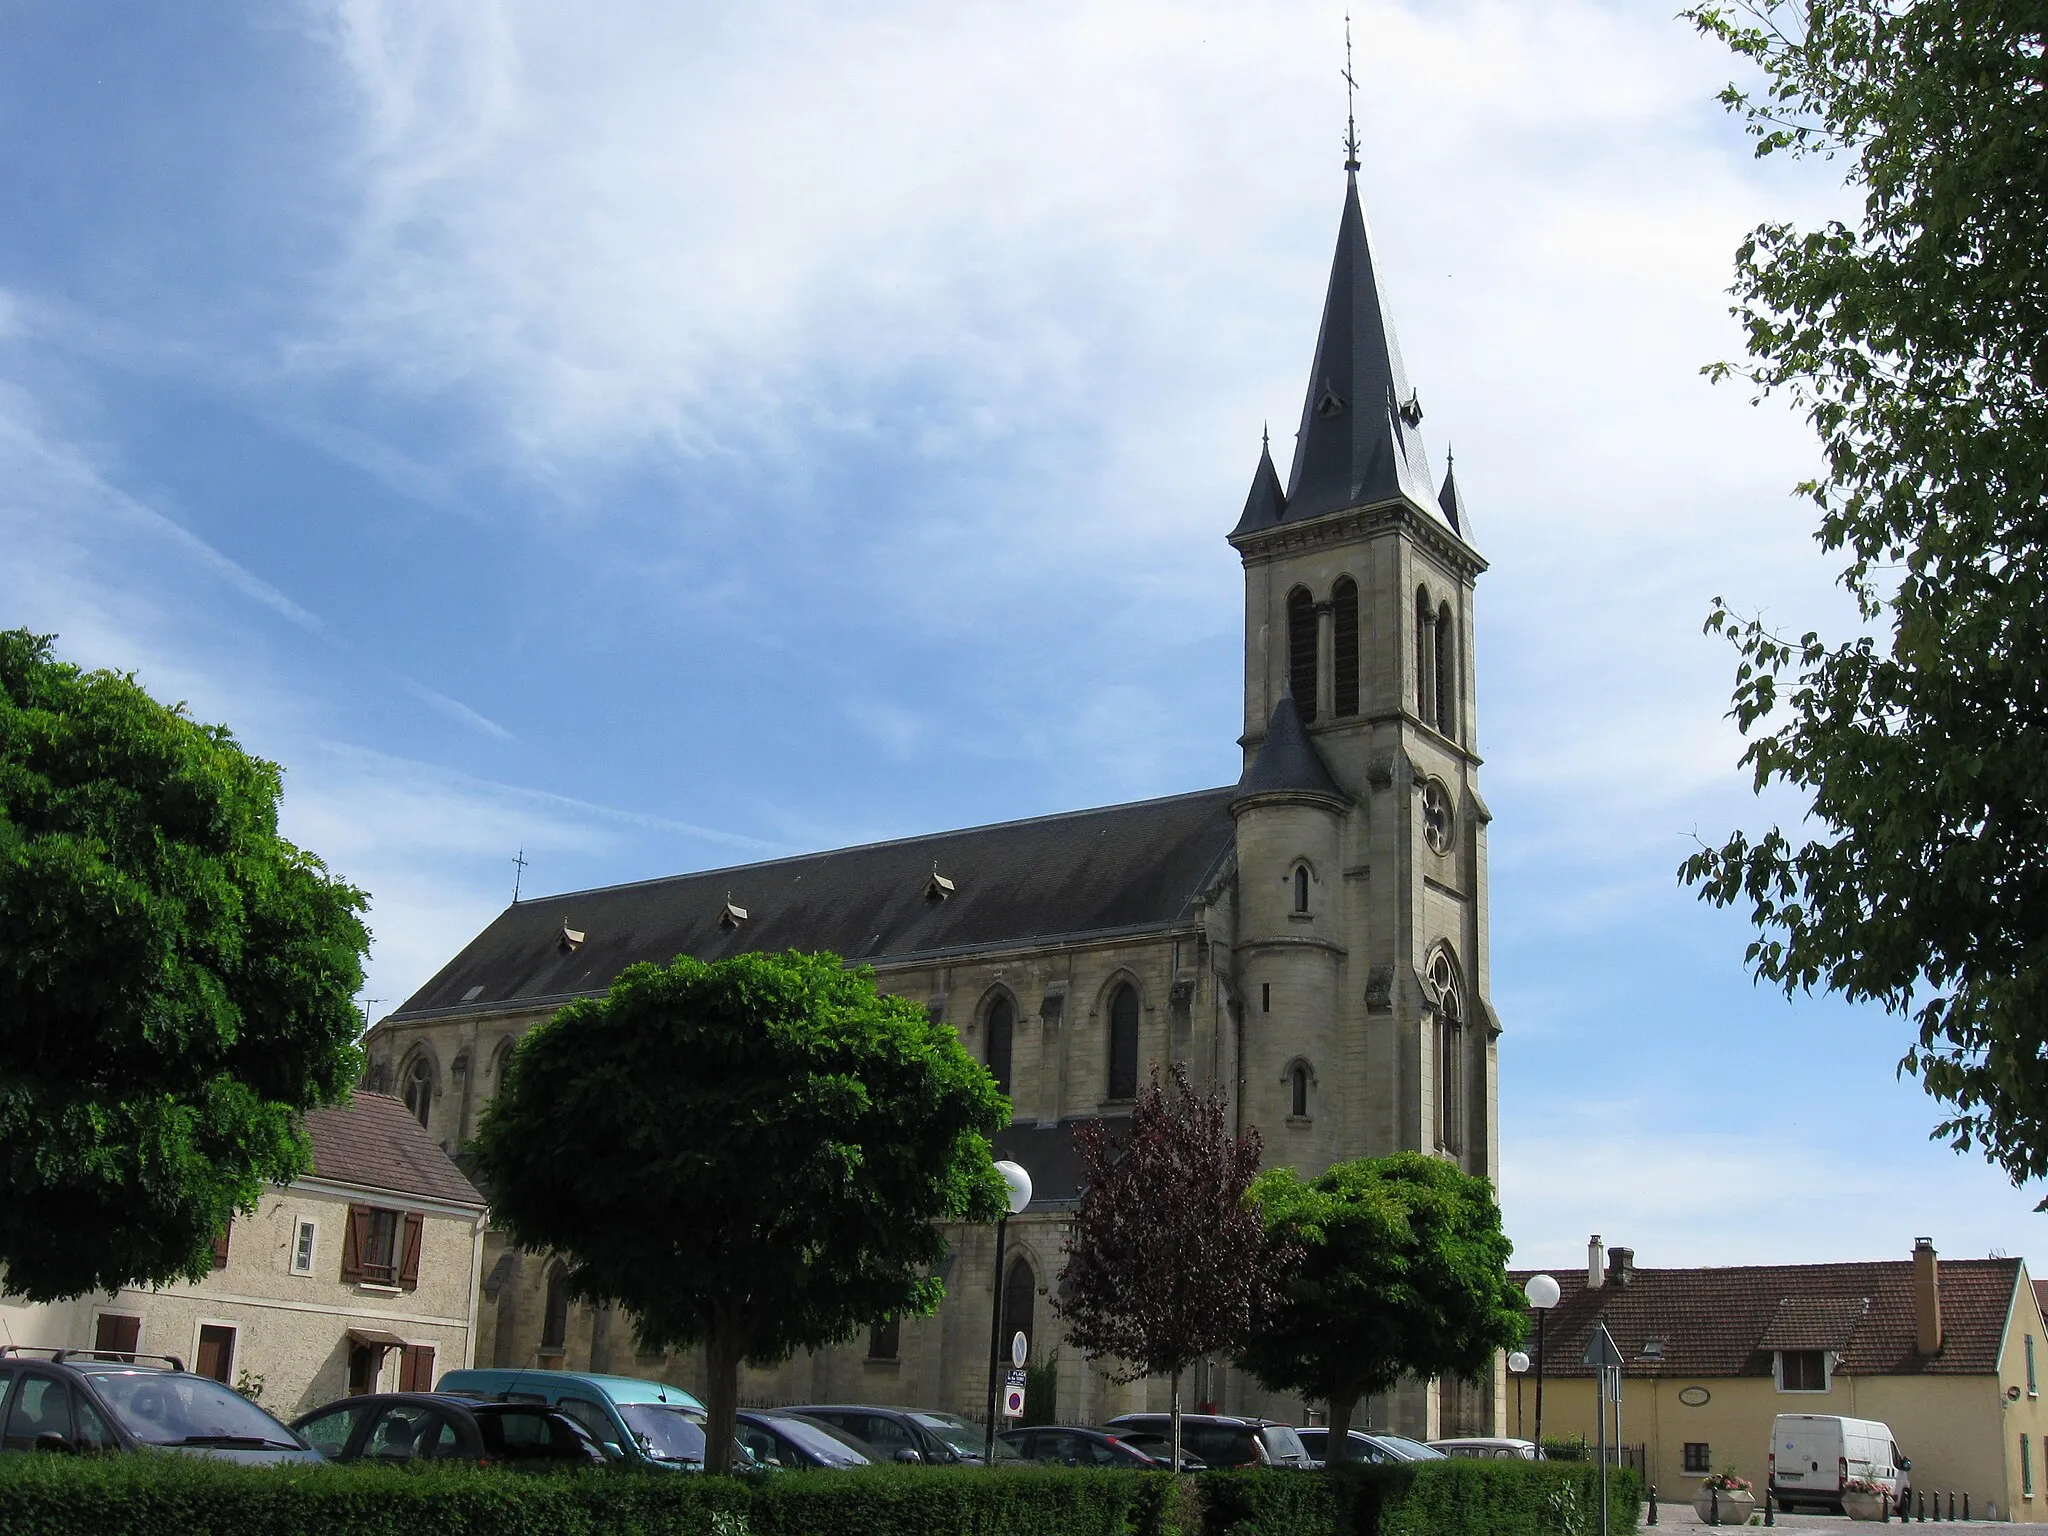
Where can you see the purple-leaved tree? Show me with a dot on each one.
(1166, 1261)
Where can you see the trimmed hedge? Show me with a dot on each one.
(43, 1495)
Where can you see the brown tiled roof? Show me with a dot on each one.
(1726, 1322)
(2041, 1295)
(375, 1144)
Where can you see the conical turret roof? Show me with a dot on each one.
(1359, 441)
(1267, 503)
(1287, 759)
(1453, 502)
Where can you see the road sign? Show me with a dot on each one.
(1020, 1350)
(1013, 1395)
(1601, 1350)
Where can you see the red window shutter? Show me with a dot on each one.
(352, 1242)
(416, 1372)
(117, 1335)
(409, 1261)
(220, 1245)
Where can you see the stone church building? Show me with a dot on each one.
(1312, 937)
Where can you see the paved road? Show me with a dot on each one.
(1679, 1517)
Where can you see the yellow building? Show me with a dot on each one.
(1945, 1354)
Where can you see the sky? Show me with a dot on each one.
(655, 435)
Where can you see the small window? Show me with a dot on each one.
(2032, 1389)
(1802, 1370)
(114, 1334)
(1123, 1043)
(363, 1362)
(419, 1088)
(1002, 1019)
(1265, 997)
(220, 1245)
(1020, 1305)
(1301, 888)
(554, 1328)
(216, 1352)
(885, 1339)
(2026, 1467)
(380, 1247)
(1698, 1457)
(1298, 1092)
(304, 1247)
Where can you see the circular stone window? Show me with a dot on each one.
(1436, 816)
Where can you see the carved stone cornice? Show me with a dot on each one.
(1354, 523)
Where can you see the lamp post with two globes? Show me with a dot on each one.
(1542, 1291)
(1019, 1183)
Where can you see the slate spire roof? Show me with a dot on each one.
(1287, 759)
(1359, 441)
(1267, 503)
(1452, 502)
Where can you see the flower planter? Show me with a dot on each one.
(1864, 1506)
(1735, 1505)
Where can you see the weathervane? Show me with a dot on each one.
(1350, 103)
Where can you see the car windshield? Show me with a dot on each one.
(966, 1437)
(821, 1443)
(666, 1434)
(1412, 1450)
(1282, 1443)
(160, 1408)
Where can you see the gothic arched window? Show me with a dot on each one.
(1446, 674)
(419, 1087)
(1344, 636)
(1425, 657)
(1123, 1043)
(1450, 1052)
(1020, 1303)
(554, 1326)
(1002, 1021)
(1301, 888)
(1297, 1091)
(1301, 652)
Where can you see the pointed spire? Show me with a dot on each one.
(1358, 442)
(1287, 759)
(1452, 503)
(1267, 503)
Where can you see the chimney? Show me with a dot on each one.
(1926, 1297)
(1621, 1265)
(1596, 1263)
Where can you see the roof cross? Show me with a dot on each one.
(1350, 103)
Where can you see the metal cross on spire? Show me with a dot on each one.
(1350, 103)
(519, 874)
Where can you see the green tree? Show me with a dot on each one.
(1915, 338)
(1165, 1261)
(176, 982)
(752, 1155)
(1400, 1269)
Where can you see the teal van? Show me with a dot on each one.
(642, 1423)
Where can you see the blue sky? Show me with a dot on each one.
(658, 435)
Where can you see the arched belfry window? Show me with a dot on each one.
(418, 1088)
(1123, 1042)
(1425, 657)
(1301, 888)
(554, 1325)
(1301, 652)
(1344, 636)
(1020, 1304)
(1446, 673)
(1002, 1025)
(1450, 1051)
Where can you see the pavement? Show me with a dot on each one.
(1679, 1517)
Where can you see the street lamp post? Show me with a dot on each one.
(1518, 1367)
(1019, 1183)
(1542, 1291)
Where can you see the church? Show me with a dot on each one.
(1312, 938)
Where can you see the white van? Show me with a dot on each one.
(1813, 1454)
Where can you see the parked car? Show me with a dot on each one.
(778, 1438)
(1813, 1454)
(1487, 1447)
(1160, 1449)
(1064, 1446)
(80, 1401)
(396, 1428)
(909, 1434)
(646, 1423)
(1226, 1440)
(1371, 1446)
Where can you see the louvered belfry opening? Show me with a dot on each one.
(1446, 674)
(1344, 636)
(1301, 652)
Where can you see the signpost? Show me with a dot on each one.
(1602, 1354)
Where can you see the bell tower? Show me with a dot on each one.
(1362, 944)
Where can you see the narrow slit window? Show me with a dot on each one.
(1265, 997)
(1123, 1043)
(1446, 673)
(1298, 1093)
(304, 1246)
(1002, 1019)
(1301, 652)
(1425, 657)
(1344, 636)
(1301, 888)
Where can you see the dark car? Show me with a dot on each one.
(1369, 1446)
(397, 1428)
(908, 1434)
(1064, 1446)
(777, 1437)
(1223, 1440)
(1160, 1449)
(80, 1401)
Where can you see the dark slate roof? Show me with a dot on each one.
(1267, 503)
(1726, 1322)
(1452, 502)
(1356, 446)
(1122, 868)
(1287, 759)
(374, 1143)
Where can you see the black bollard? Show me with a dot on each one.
(1920, 1504)
(1951, 1503)
(1770, 1506)
(1966, 1504)
(1653, 1505)
(1714, 1506)
(1884, 1506)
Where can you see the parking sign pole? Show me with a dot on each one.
(995, 1329)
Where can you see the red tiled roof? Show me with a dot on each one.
(1726, 1322)
(374, 1143)
(2041, 1295)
